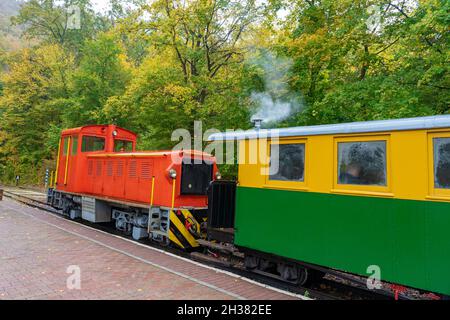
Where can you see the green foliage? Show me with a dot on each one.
(48, 20)
(101, 74)
(31, 101)
(193, 71)
(349, 72)
(170, 63)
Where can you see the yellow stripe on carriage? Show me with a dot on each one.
(409, 164)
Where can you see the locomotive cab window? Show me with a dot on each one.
(123, 146)
(65, 146)
(74, 146)
(92, 144)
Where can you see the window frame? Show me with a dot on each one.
(126, 140)
(362, 189)
(291, 185)
(432, 190)
(96, 136)
(65, 146)
(72, 141)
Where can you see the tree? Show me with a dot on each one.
(205, 35)
(33, 98)
(350, 68)
(194, 69)
(50, 21)
(158, 101)
(103, 72)
(172, 62)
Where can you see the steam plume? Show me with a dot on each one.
(276, 103)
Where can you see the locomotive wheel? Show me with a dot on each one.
(251, 262)
(267, 265)
(293, 274)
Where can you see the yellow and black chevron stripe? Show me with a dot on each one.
(180, 221)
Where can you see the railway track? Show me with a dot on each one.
(324, 289)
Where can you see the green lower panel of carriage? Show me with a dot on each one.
(409, 240)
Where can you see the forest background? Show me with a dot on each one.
(156, 66)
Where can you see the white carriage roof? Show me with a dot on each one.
(421, 123)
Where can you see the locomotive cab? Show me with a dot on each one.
(78, 143)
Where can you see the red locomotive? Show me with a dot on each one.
(162, 195)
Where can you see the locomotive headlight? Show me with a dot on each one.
(218, 176)
(173, 173)
(114, 133)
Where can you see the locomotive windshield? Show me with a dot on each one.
(196, 177)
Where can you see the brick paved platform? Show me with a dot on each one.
(36, 248)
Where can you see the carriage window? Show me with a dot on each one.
(362, 163)
(91, 144)
(65, 146)
(123, 146)
(74, 146)
(287, 162)
(441, 148)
